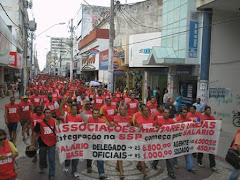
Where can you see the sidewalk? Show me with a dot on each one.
(28, 170)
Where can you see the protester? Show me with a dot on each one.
(165, 98)
(171, 107)
(152, 105)
(8, 153)
(70, 118)
(12, 117)
(100, 163)
(25, 108)
(182, 118)
(145, 121)
(178, 102)
(38, 116)
(121, 120)
(165, 120)
(107, 111)
(207, 116)
(98, 100)
(132, 105)
(47, 143)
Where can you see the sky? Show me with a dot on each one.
(50, 12)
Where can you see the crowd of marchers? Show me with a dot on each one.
(50, 100)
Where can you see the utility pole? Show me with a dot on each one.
(111, 37)
(71, 45)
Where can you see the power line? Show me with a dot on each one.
(138, 23)
(8, 39)
(8, 16)
(128, 22)
(182, 32)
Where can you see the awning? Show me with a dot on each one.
(89, 68)
(163, 55)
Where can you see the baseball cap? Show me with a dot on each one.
(25, 97)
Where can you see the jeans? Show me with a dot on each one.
(74, 164)
(89, 163)
(211, 159)
(43, 152)
(169, 165)
(234, 174)
(189, 161)
(100, 166)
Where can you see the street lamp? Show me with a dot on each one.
(62, 23)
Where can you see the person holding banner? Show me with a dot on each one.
(193, 114)
(182, 118)
(107, 111)
(207, 116)
(47, 142)
(165, 120)
(70, 118)
(121, 120)
(100, 163)
(145, 121)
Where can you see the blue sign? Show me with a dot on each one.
(193, 40)
(103, 64)
(145, 51)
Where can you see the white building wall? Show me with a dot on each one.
(136, 55)
(224, 66)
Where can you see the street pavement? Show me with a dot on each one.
(27, 170)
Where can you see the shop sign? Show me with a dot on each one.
(103, 60)
(145, 51)
(15, 60)
(119, 53)
(89, 60)
(116, 65)
(193, 36)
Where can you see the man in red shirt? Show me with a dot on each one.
(205, 117)
(70, 118)
(107, 111)
(182, 118)
(118, 94)
(34, 118)
(165, 120)
(122, 120)
(98, 100)
(159, 113)
(152, 105)
(36, 100)
(193, 115)
(52, 105)
(114, 100)
(12, 117)
(100, 164)
(25, 108)
(145, 121)
(47, 142)
(132, 105)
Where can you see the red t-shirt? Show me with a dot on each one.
(108, 112)
(114, 101)
(91, 120)
(204, 117)
(122, 121)
(71, 118)
(107, 95)
(35, 118)
(118, 95)
(36, 101)
(163, 121)
(180, 119)
(157, 115)
(98, 102)
(13, 111)
(193, 117)
(132, 107)
(147, 122)
(26, 109)
(152, 107)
